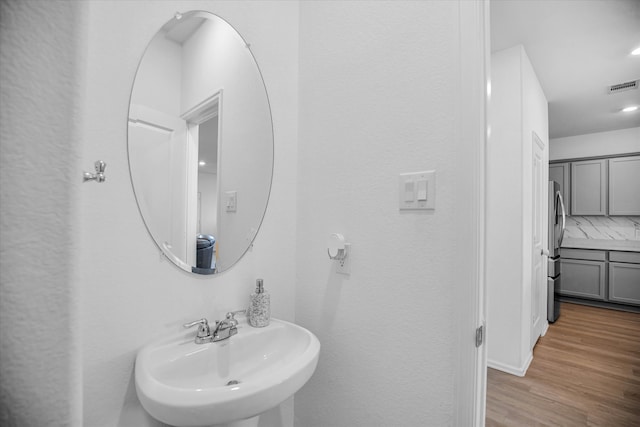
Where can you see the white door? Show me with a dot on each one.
(538, 258)
(159, 175)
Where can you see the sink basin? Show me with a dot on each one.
(186, 384)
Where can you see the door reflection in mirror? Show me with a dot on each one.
(203, 141)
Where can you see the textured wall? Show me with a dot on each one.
(378, 97)
(39, 180)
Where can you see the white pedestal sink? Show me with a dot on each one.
(229, 382)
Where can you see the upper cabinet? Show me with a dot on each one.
(599, 186)
(624, 186)
(559, 172)
(589, 187)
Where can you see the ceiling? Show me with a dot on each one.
(578, 48)
(181, 30)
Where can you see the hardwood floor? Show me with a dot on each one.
(585, 372)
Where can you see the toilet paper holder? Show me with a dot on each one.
(98, 176)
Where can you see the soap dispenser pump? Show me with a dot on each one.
(260, 307)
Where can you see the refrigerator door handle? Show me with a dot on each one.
(564, 220)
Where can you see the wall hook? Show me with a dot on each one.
(338, 248)
(98, 176)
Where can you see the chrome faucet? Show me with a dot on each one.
(204, 332)
(223, 330)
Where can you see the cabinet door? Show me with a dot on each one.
(582, 278)
(559, 172)
(624, 186)
(624, 283)
(589, 187)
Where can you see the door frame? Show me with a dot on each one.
(475, 88)
(209, 108)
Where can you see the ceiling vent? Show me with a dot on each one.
(623, 86)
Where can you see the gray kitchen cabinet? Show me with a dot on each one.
(624, 283)
(589, 187)
(608, 279)
(624, 186)
(583, 273)
(624, 277)
(583, 278)
(559, 172)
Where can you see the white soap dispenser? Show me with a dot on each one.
(260, 307)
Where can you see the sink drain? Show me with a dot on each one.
(233, 382)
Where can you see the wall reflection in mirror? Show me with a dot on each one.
(200, 142)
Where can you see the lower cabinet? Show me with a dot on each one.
(607, 276)
(583, 278)
(624, 283)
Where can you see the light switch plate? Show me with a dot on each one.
(423, 185)
(231, 201)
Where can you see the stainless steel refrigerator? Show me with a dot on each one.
(557, 221)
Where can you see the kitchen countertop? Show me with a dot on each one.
(602, 244)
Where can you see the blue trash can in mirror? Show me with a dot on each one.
(205, 258)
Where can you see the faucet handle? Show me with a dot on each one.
(231, 316)
(203, 327)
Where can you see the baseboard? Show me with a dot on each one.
(545, 329)
(600, 304)
(518, 371)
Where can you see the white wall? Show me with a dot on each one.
(621, 141)
(129, 295)
(518, 107)
(207, 177)
(207, 184)
(504, 214)
(535, 118)
(380, 92)
(378, 97)
(40, 177)
(159, 85)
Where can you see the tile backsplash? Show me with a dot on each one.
(603, 227)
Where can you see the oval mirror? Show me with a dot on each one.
(200, 142)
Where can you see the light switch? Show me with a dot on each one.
(231, 201)
(417, 190)
(422, 190)
(409, 193)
